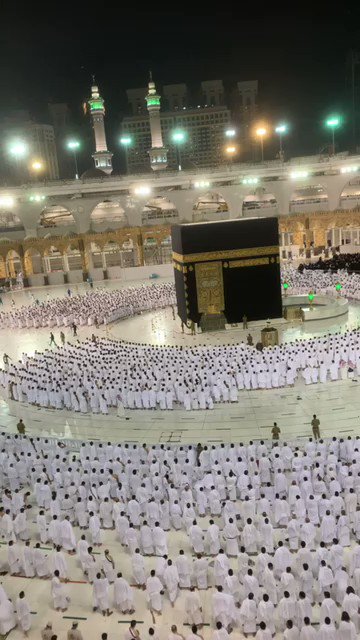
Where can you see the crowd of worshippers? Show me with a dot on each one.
(273, 530)
(100, 374)
(321, 282)
(340, 261)
(94, 307)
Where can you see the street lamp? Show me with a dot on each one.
(261, 132)
(74, 145)
(126, 142)
(281, 129)
(178, 138)
(333, 123)
(37, 167)
(18, 149)
(230, 133)
(231, 150)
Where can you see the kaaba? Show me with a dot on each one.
(230, 267)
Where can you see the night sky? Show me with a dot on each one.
(298, 53)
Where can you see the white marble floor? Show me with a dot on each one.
(337, 404)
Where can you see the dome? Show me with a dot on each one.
(94, 172)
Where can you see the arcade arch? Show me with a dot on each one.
(13, 264)
(309, 198)
(56, 216)
(33, 262)
(109, 214)
(350, 195)
(159, 210)
(260, 199)
(210, 206)
(10, 222)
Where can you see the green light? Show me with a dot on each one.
(311, 297)
(178, 136)
(285, 285)
(96, 105)
(338, 286)
(281, 128)
(73, 144)
(333, 122)
(153, 102)
(126, 141)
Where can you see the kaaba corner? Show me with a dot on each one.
(230, 267)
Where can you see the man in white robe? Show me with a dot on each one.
(248, 615)
(196, 537)
(193, 608)
(68, 540)
(59, 594)
(171, 581)
(183, 566)
(123, 595)
(223, 608)
(154, 590)
(101, 598)
(23, 613)
(200, 572)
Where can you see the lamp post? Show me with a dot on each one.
(230, 133)
(74, 145)
(280, 130)
(231, 150)
(333, 123)
(178, 138)
(18, 149)
(126, 142)
(37, 167)
(261, 132)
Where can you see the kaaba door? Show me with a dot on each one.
(209, 287)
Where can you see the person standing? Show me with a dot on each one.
(275, 431)
(245, 322)
(315, 424)
(47, 632)
(132, 633)
(23, 613)
(74, 633)
(52, 339)
(62, 338)
(74, 328)
(21, 427)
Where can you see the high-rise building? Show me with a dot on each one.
(41, 147)
(175, 96)
(61, 120)
(157, 152)
(203, 127)
(102, 156)
(42, 144)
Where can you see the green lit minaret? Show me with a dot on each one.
(102, 157)
(157, 153)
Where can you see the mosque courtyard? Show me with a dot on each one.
(337, 404)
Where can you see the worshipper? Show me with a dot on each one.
(132, 633)
(21, 427)
(248, 614)
(315, 425)
(7, 614)
(193, 608)
(200, 572)
(123, 595)
(101, 599)
(74, 632)
(171, 581)
(184, 570)
(47, 632)
(23, 613)
(223, 608)
(154, 591)
(60, 598)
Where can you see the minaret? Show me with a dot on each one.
(157, 153)
(102, 157)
